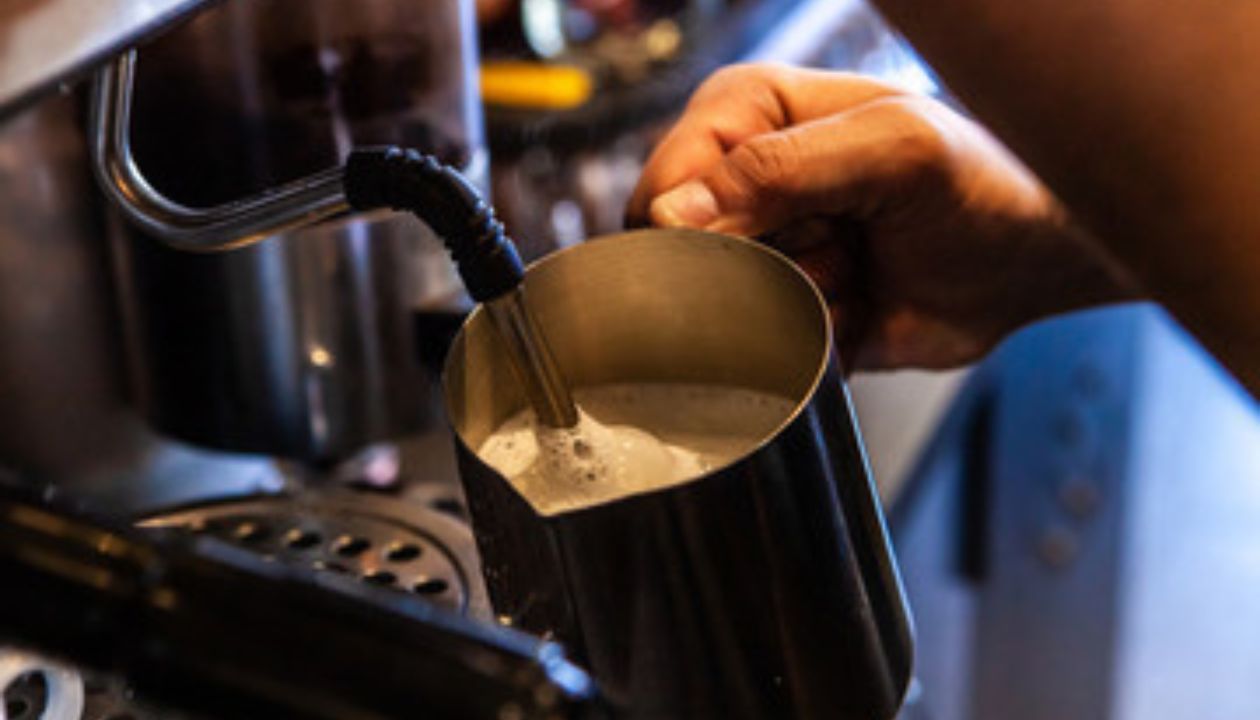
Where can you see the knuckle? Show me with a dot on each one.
(740, 73)
(917, 138)
(740, 77)
(767, 162)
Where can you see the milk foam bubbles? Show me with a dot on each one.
(630, 439)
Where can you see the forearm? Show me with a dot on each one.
(1144, 118)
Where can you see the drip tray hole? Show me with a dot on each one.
(383, 578)
(299, 539)
(402, 552)
(429, 586)
(250, 532)
(350, 546)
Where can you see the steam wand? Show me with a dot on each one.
(486, 258)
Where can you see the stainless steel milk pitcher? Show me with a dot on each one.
(764, 589)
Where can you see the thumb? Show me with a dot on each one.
(747, 192)
(848, 163)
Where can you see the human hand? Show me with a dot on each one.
(930, 241)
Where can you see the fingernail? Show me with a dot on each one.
(688, 205)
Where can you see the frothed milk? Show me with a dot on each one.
(630, 439)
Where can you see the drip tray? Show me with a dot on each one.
(388, 542)
(382, 541)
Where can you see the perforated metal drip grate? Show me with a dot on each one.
(403, 545)
(386, 543)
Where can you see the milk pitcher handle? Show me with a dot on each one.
(223, 227)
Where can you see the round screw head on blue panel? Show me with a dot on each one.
(1058, 547)
(1080, 497)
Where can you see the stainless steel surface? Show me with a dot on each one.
(526, 348)
(63, 409)
(208, 627)
(289, 207)
(765, 589)
(301, 346)
(305, 345)
(382, 541)
(184, 484)
(45, 44)
(404, 546)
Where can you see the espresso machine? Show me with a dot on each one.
(302, 348)
(131, 361)
(220, 389)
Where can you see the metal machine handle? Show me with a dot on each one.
(223, 227)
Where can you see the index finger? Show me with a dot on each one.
(737, 103)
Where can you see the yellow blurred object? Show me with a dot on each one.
(534, 85)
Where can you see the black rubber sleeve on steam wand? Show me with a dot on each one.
(444, 200)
